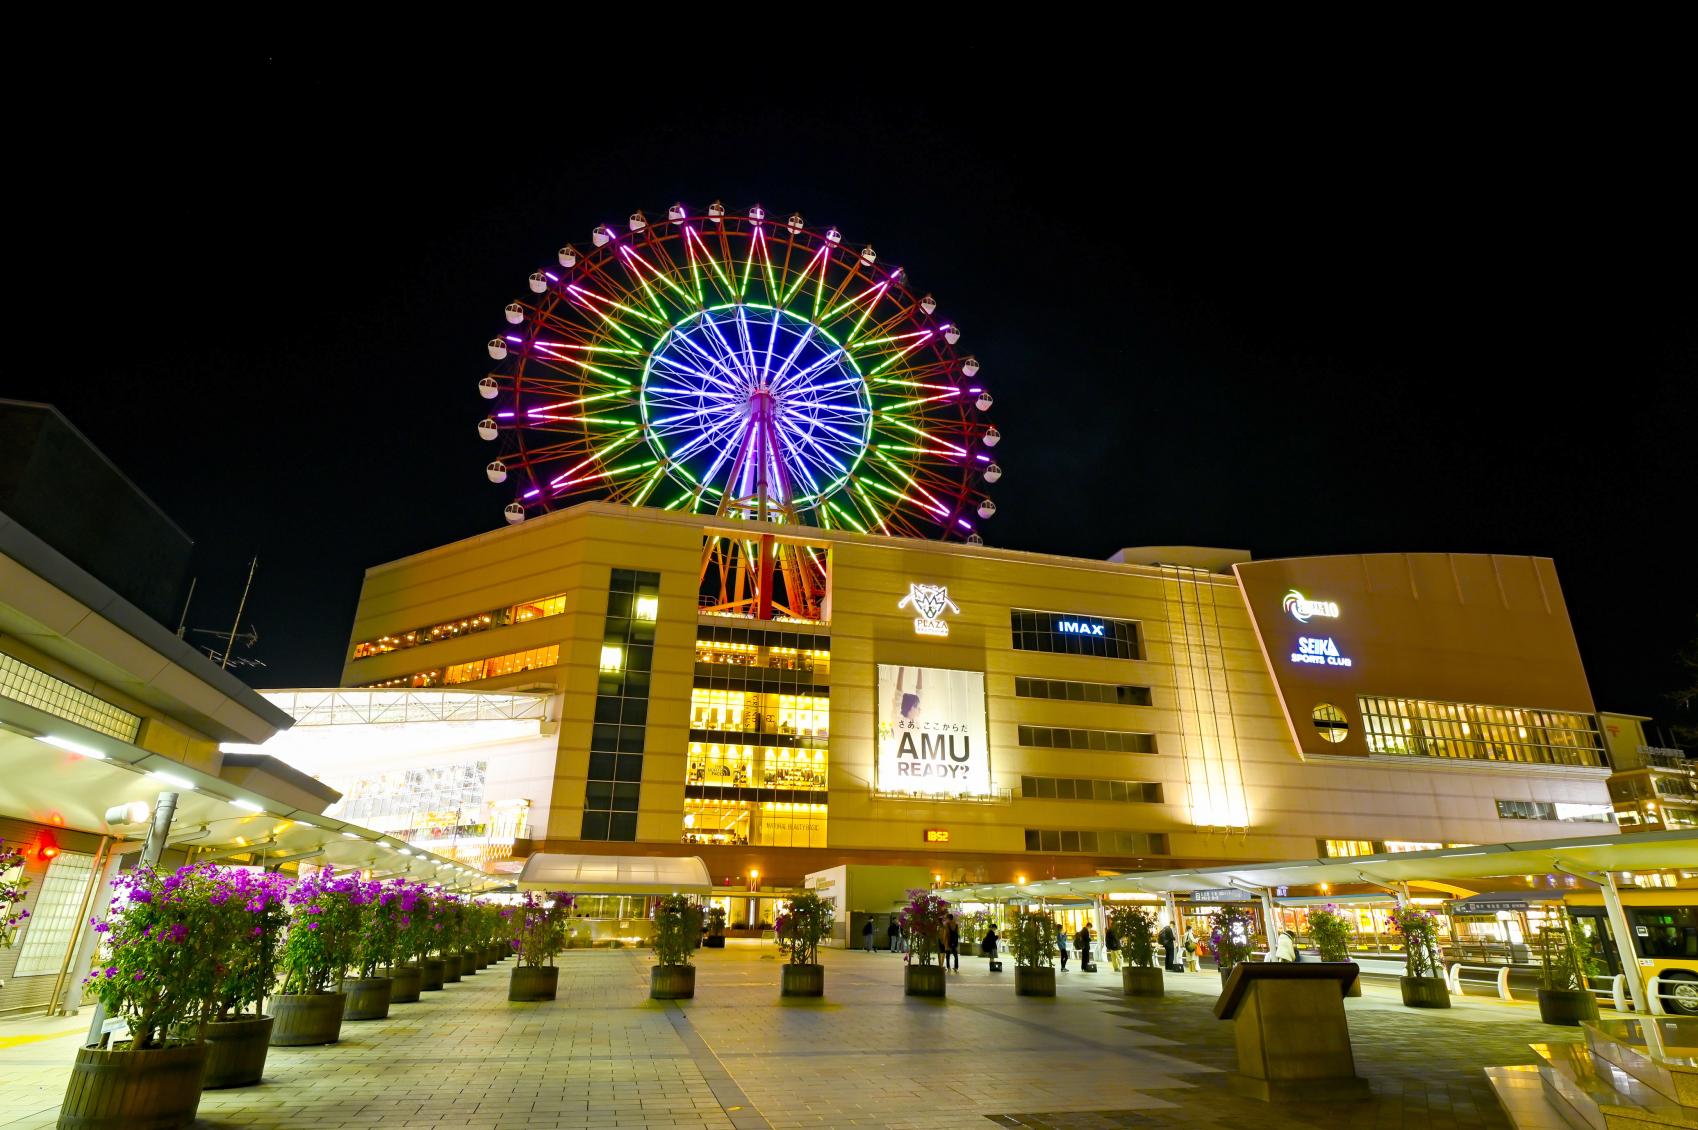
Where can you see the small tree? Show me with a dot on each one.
(416, 925)
(12, 885)
(1420, 941)
(327, 914)
(1229, 936)
(716, 921)
(1135, 928)
(923, 922)
(380, 940)
(1331, 932)
(677, 929)
(1566, 960)
(1031, 939)
(801, 928)
(258, 912)
(537, 927)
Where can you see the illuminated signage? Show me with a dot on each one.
(1222, 894)
(1320, 651)
(937, 835)
(931, 733)
(1079, 627)
(1302, 608)
(929, 603)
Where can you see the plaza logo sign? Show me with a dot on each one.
(1078, 628)
(929, 603)
(1319, 650)
(1302, 608)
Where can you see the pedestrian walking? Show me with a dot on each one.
(1082, 943)
(1061, 948)
(1169, 942)
(1285, 949)
(895, 932)
(1111, 945)
(952, 932)
(867, 934)
(1193, 951)
(988, 948)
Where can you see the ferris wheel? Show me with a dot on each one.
(744, 367)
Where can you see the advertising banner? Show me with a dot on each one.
(931, 732)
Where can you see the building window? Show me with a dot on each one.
(1114, 694)
(1560, 810)
(510, 664)
(1107, 741)
(613, 781)
(1072, 633)
(763, 823)
(34, 687)
(1090, 788)
(1422, 728)
(53, 919)
(465, 625)
(1344, 849)
(1330, 722)
(784, 719)
(1094, 842)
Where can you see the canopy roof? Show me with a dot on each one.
(1459, 867)
(617, 874)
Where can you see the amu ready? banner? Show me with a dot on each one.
(931, 732)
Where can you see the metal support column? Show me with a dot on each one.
(1270, 921)
(163, 810)
(1625, 944)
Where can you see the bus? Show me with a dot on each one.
(1665, 938)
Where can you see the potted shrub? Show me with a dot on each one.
(799, 932)
(237, 1032)
(375, 947)
(1031, 939)
(922, 923)
(537, 926)
(1135, 927)
(326, 914)
(12, 885)
(1423, 984)
(412, 921)
(1332, 935)
(715, 939)
(161, 946)
(1566, 968)
(677, 930)
(482, 930)
(450, 911)
(1230, 930)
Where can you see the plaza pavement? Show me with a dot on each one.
(604, 1055)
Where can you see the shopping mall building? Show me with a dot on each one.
(986, 714)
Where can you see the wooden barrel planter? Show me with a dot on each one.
(1141, 981)
(236, 1050)
(134, 1090)
(450, 968)
(533, 983)
(404, 986)
(368, 997)
(430, 974)
(1567, 1006)
(469, 964)
(1035, 982)
(305, 1019)
(802, 981)
(923, 981)
(1425, 992)
(672, 982)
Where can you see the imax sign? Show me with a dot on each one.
(1078, 628)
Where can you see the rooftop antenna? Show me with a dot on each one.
(225, 657)
(253, 567)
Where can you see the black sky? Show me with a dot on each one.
(1449, 305)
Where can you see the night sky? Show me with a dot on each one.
(1389, 310)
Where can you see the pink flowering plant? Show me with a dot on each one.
(416, 932)
(922, 923)
(1420, 941)
(166, 946)
(252, 910)
(12, 886)
(537, 926)
(327, 913)
(380, 941)
(802, 926)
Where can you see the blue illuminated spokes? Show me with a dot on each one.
(724, 383)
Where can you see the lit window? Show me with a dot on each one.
(648, 607)
(612, 659)
(1330, 722)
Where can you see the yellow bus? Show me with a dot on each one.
(1665, 938)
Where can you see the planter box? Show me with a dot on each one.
(533, 983)
(404, 984)
(305, 1019)
(468, 964)
(672, 982)
(1567, 1006)
(450, 968)
(714, 942)
(131, 1090)
(802, 981)
(1142, 982)
(235, 1052)
(368, 998)
(923, 981)
(1034, 982)
(430, 974)
(1425, 992)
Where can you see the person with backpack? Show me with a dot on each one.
(1285, 949)
(1082, 943)
(988, 948)
(1168, 941)
(1111, 945)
